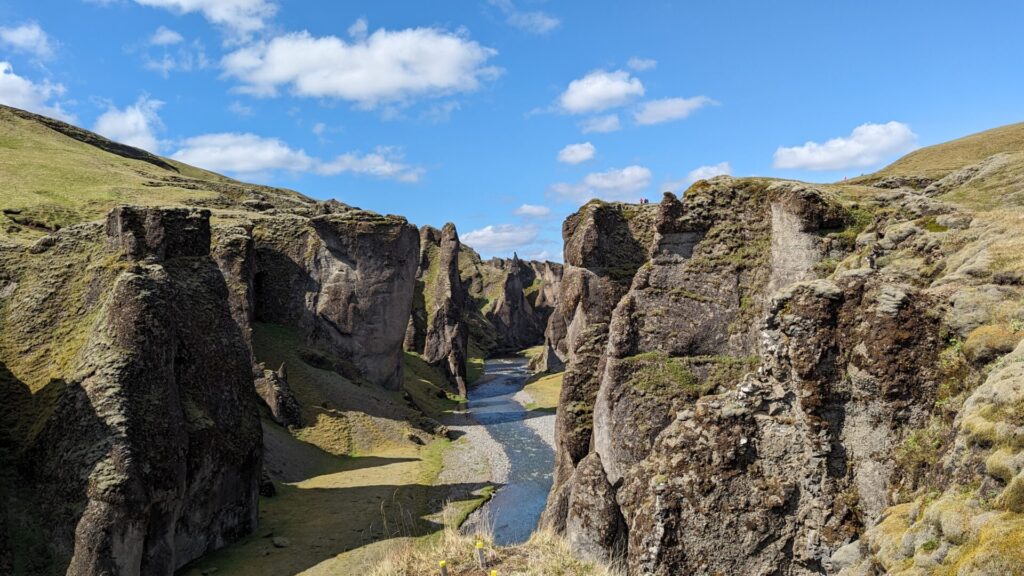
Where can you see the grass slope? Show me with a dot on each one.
(350, 483)
(941, 159)
(54, 175)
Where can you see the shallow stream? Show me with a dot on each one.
(525, 437)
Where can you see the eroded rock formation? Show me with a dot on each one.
(148, 453)
(743, 369)
(437, 326)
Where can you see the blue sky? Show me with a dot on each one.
(504, 115)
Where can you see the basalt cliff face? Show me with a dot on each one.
(466, 308)
(134, 444)
(511, 300)
(438, 328)
(770, 377)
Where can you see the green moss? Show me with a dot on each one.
(930, 224)
(857, 220)
(921, 451)
(657, 373)
(679, 293)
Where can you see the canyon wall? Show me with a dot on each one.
(749, 370)
(135, 445)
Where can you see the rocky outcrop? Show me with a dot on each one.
(344, 279)
(517, 324)
(147, 453)
(438, 327)
(511, 301)
(762, 372)
(604, 246)
(272, 387)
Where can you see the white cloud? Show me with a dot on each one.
(239, 109)
(641, 64)
(867, 145)
(386, 67)
(540, 256)
(28, 38)
(576, 153)
(385, 163)
(242, 154)
(357, 31)
(669, 109)
(601, 124)
(135, 125)
(614, 184)
(242, 17)
(501, 237)
(184, 59)
(705, 172)
(35, 97)
(249, 154)
(534, 22)
(164, 36)
(600, 90)
(319, 128)
(532, 211)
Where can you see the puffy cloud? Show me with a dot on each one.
(35, 97)
(867, 145)
(534, 22)
(240, 16)
(385, 67)
(242, 154)
(705, 172)
(251, 154)
(599, 91)
(576, 153)
(164, 36)
(28, 38)
(501, 237)
(641, 64)
(601, 124)
(668, 109)
(384, 163)
(532, 211)
(614, 184)
(134, 125)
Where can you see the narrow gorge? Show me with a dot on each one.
(760, 376)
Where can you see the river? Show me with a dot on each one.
(525, 438)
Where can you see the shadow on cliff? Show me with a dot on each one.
(48, 449)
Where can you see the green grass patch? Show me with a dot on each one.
(545, 390)
(474, 362)
(428, 387)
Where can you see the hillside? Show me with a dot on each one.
(982, 171)
(54, 175)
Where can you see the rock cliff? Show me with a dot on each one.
(511, 301)
(137, 438)
(770, 377)
(438, 327)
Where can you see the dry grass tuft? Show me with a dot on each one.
(544, 554)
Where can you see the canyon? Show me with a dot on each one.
(760, 377)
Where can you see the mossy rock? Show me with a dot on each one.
(986, 343)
